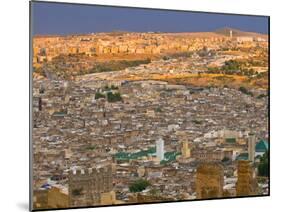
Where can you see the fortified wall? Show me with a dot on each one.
(86, 186)
(209, 181)
(246, 183)
(46, 48)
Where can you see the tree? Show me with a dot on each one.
(158, 109)
(77, 191)
(139, 185)
(99, 95)
(113, 97)
(231, 65)
(245, 91)
(261, 96)
(165, 58)
(225, 159)
(113, 87)
(263, 167)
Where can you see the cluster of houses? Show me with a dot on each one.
(45, 48)
(74, 130)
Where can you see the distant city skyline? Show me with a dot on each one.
(61, 18)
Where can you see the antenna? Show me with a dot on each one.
(230, 33)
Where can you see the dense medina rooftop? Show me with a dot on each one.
(153, 130)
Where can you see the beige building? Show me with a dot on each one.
(246, 183)
(185, 150)
(209, 181)
(86, 186)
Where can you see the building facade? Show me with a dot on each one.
(87, 186)
(209, 181)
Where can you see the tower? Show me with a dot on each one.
(185, 150)
(246, 184)
(230, 34)
(209, 180)
(87, 186)
(160, 149)
(251, 147)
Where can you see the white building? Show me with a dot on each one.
(242, 39)
(259, 39)
(160, 149)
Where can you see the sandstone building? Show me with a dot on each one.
(246, 184)
(209, 181)
(87, 186)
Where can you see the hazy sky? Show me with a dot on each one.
(59, 18)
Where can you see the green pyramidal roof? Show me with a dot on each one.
(262, 146)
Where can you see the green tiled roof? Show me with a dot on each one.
(136, 155)
(230, 140)
(262, 146)
(169, 156)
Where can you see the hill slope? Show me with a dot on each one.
(236, 32)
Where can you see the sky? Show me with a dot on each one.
(61, 19)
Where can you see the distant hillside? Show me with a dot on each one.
(236, 32)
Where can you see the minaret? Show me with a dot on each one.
(160, 149)
(185, 150)
(251, 147)
(230, 34)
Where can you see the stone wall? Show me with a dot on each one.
(86, 186)
(246, 183)
(209, 181)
